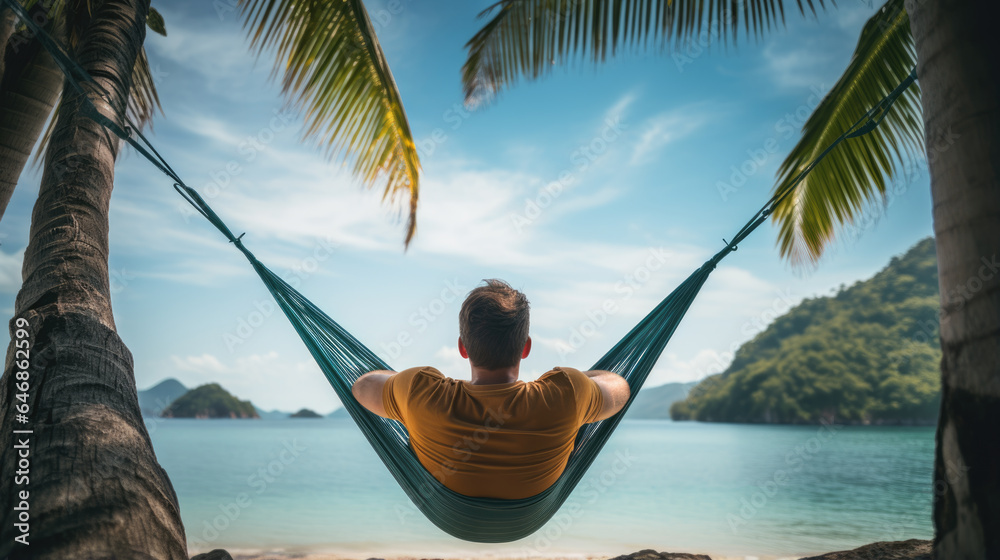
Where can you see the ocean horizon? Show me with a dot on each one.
(300, 486)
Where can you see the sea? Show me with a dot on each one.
(299, 486)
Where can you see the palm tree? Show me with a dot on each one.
(95, 488)
(954, 118)
(30, 83)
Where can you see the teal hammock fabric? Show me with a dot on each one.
(343, 358)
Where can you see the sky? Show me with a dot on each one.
(595, 184)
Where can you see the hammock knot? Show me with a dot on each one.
(714, 261)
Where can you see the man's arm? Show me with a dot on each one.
(613, 387)
(368, 390)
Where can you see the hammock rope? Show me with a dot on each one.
(343, 359)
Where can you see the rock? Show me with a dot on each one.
(217, 554)
(912, 549)
(650, 554)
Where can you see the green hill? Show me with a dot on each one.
(152, 401)
(654, 402)
(304, 413)
(869, 354)
(209, 401)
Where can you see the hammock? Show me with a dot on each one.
(343, 359)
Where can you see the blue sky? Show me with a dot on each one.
(591, 185)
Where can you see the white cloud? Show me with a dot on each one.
(449, 362)
(220, 54)
(620, 107)
(206, 363)
(664, 128)
(268, 380)
(850, 16)
(807, 65)
(672, 368)
(10, 271)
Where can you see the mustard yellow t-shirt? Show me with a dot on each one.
(509, 440)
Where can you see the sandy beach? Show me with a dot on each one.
(333, 556)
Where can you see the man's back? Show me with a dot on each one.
(507, 440)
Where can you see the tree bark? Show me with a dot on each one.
(29, 87)
(95, 488)
(959, 70)
(6, 30)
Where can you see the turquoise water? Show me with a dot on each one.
(770, 491)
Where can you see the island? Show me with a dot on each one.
(152, 401)
(653, 403)
(209, 401)
(869, 354)
(305, 413)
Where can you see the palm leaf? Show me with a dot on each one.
(333, 70)
(529, 37)
(855, 175)
(155, 22)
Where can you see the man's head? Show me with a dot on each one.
(493, 325)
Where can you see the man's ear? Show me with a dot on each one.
(527, 349)
(461, 349)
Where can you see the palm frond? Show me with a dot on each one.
(155, 22)
(333, 70)
(855, 175)
(527, 38)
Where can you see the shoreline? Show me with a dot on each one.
(338, 556)
(911, 549)
(238, 554)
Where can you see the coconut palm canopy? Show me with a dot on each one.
(621, 179)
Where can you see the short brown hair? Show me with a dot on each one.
(493, 324)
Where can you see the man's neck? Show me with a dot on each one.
(481, 376)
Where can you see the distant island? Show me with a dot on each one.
(868, 355)
(305, 413)
(209, 401)
(654, 402)
(152, 401)
(338, 414)
(272, 414)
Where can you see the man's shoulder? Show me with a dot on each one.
(422, 370)
(561, 371)
(565, 375)
(420, 380)
(421, 376)
(568, 385)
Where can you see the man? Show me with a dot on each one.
(494, 436)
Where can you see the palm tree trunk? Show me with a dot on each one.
(29, 87)
(6, 30)
(95, 489)
(959, 68)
